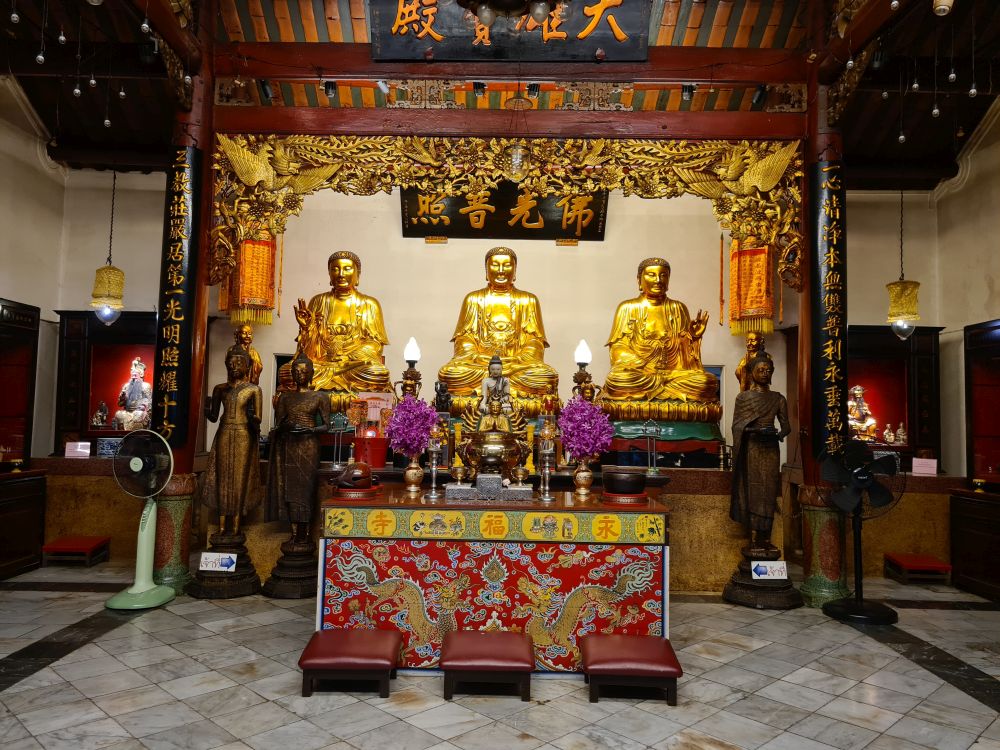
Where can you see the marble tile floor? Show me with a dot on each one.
(200, 675)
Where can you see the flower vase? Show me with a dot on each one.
(583, 477)
(413, 475)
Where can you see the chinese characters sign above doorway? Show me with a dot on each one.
(581, 30)
(506, 213)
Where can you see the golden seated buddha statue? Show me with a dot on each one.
(494, 442)
(656, 370)
(342, 332)
(499, 320)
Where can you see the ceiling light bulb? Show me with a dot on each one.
(40, 58)
(902, 328)
(915, 86)
(144, 26)
(952, 77)
(850, 62)
(77, 91)
(107, 122)
(942, 7)
(107, 314)
(902, 137)
(539, 10)
(187, 79)
(92, 82)
(14, 17)
(885, 94)
(61, 37)
(973, 91)
(121, 92)
(894, 5)
(486, 15)
(936, 112)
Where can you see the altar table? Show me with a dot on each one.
(556, 571)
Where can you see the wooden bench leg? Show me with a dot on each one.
(526, 687)
(594, 685)
(383, 685)
(392, 674)
(671, 691)
(449, 685)
(586, 678)
(307, 685)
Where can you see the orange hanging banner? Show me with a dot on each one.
(751, 288)
(247, 294)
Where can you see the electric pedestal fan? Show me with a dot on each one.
(142, 467)
(866, 488)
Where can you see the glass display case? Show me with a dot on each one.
(982, 402)
(18, 355)
(96, 395)
(901, 388)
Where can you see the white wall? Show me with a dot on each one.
(421, 286)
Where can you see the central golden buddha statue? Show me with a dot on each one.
(499, 320)
(656, 370)
(342, 332)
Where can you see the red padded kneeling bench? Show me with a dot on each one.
(351, 655)
(908, 568)
(641, 660)
(475, 656)
(86, 549)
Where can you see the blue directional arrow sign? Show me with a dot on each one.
(227, 562)
(759, 569)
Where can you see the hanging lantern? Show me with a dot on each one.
(109, 281)
(515, 162)
(248, 293)
(904, 308)
(751, 288)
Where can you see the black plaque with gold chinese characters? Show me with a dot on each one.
(828, 282)
(172, 385)
(505, 213)
(577, 31)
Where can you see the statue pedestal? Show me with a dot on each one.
(242, 580)
(745, 590)
(294, 575)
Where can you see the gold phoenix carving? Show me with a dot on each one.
(261, 180)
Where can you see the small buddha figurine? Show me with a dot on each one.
(494, 420)
(342, 333)
(889, 436)
(495, 386)
(655, 345)
(100, 418)
(901, 437)
(134, 400)
(755, 345)
(549, 401)
(442, 398)
(860, 419)
(243, 339)
(500, 320)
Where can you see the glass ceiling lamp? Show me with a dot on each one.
(109, 281)
(904, 309)
(515, 159)
(488, 10)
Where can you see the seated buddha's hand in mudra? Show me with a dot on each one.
(303, 315)
(699, 324)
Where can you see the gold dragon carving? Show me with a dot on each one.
(261, 180)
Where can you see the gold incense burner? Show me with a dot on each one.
(495, 442)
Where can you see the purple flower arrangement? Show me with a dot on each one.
(409, 428)
(586, 430)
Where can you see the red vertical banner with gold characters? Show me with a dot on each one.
(175, 306)
(751, 288)
(828, 285)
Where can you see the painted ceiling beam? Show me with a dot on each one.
(871, 20)
(165, 23)
(497, 123)
(284, 61)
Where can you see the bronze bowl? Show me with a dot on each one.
(624, 480)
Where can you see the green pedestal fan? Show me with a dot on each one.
(142, 467)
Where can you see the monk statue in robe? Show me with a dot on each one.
(860, 420)
(231, 487)
(756, 466)
(755, 346)
(656, 345)
(500, 320)
(299, 418)
(342, 333)
(243, 338)
(495, 386)
(135, 400)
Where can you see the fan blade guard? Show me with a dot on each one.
(846, 498)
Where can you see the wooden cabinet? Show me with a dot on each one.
(94, 362)
(975, 542)
(982, 402)
(22, 521)
(18, 355)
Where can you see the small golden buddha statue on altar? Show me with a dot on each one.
(860, 419)
(342, 333)
(656, 370)
(755, 346)
(494, 442)
(499, 320)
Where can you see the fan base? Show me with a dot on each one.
(865, 612)
(128, 599)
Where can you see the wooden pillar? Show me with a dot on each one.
(182, 310)
(822, 387)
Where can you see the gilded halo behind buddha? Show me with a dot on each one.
(655, 348)
(343, 333)
(499, 320)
